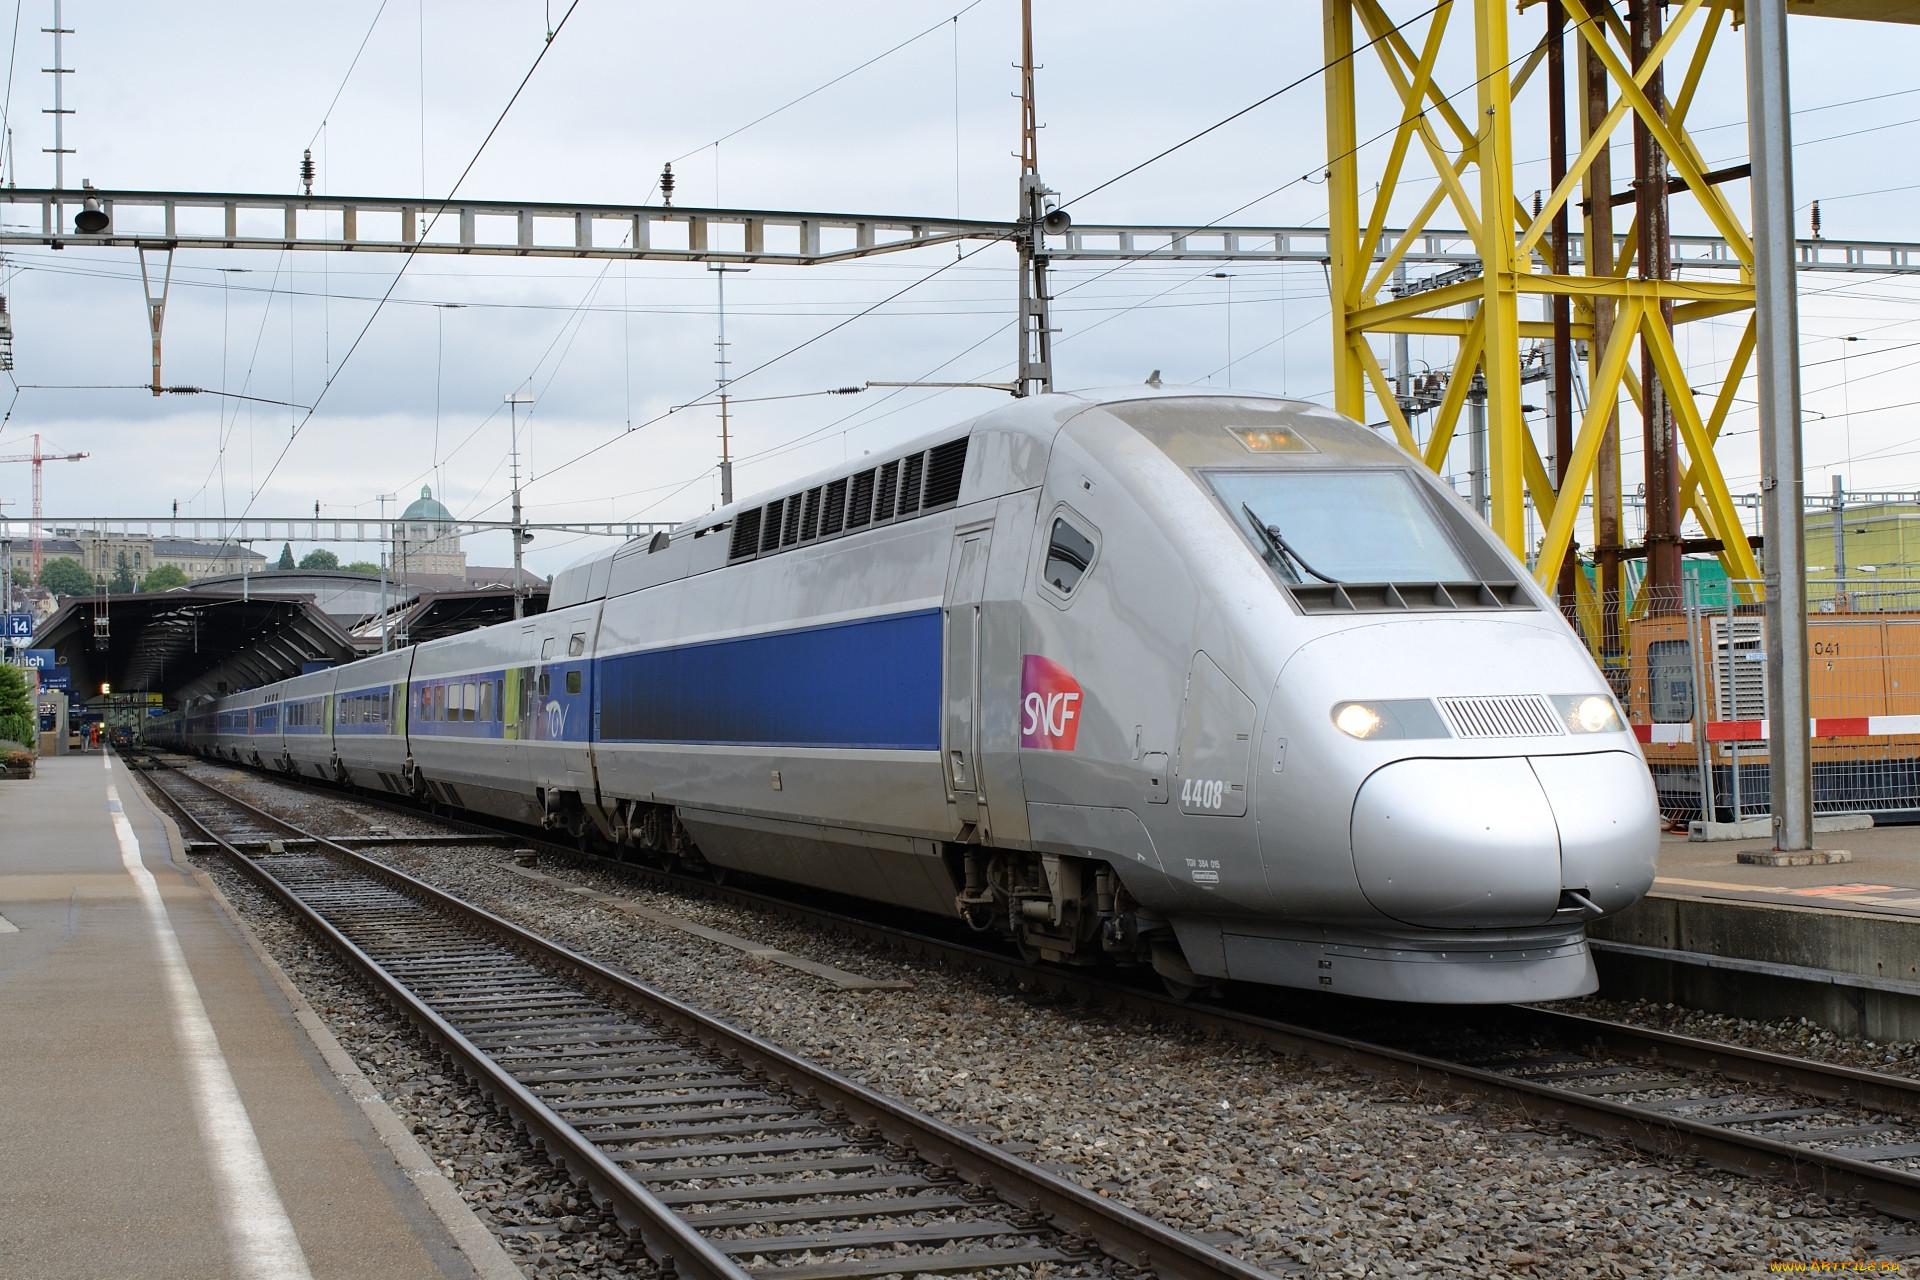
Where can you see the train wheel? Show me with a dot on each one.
(1176, 975)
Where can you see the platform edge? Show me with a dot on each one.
(482, 1250)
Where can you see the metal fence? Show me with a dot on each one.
(1692, 676)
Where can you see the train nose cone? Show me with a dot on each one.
(1449, 843)
(1492, 842)
(1609, 819)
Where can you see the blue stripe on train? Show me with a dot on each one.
(872, 683)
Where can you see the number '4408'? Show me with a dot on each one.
(1203, 793)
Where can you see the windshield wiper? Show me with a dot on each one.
(1281, 547)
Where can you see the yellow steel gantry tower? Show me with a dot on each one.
(1453, 149)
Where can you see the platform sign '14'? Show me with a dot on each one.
(19, 626)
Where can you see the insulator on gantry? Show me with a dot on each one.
(306, 171)
(666, 184)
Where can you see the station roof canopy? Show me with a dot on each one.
(189, 642)
(432, 615)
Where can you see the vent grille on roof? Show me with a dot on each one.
(893, 491)
(910, 484)
(945, 465)
(746, 534)
(860, 506)
(835, 514)
(770, 526)
(1505, 716)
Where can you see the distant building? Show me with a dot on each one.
(100, 555)
(1880, 535)
(427, 542)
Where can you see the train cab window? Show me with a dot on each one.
(577, 645)
(1669, 682)
(1069, 552)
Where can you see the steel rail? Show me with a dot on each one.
(1656, 1132)
(674, 1246)
(1129, 1237)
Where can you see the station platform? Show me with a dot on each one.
(1836, 943)
(1882, 876)
(163, 1110)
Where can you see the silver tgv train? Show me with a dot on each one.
(1222, 684)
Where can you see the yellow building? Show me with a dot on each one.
(1877, 541)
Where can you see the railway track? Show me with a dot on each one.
(725, 1155)
(1835, 1131)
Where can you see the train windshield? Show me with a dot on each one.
(1342, 526)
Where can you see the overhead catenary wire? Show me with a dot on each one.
(769, 363)
(328, 113)
(440, 210)
(1221, 123)
(820, 88)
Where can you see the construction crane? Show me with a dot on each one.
(37, 458)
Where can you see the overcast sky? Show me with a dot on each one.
(226, 97)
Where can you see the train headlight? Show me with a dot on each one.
(1382, 718)
(1356, 719)
(1589, 713)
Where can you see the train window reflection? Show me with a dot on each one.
(1342, 526)
(1069, 552)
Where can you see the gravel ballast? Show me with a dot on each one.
(546, 1225)
(1294, 1166)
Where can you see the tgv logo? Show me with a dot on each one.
(1050, 704)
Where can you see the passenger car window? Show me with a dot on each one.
(1069, 552)
(573, 682)
(546, 648)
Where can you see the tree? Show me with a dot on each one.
(16, 712)
(319, 559)
(165, 577)
(286, 557)
(364, 567)
(123, 582)
(65, 576)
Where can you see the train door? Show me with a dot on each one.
(575, 679)
(960, 719)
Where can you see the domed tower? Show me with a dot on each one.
(426, 541)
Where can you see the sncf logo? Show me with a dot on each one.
(1050, 704)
